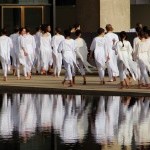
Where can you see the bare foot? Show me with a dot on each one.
(63, 82)
(84, 82)
(5, 79)
(18, 78)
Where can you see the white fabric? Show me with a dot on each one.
(46, 111)
(5, 47)
(37, 62)
(68, 48)
(124, 51)
(99, 46)
(14, 50)
(57, 57)
(141, 54)
(29, 46)
(82, 52)
(46, 51)
(27, 115)
(112, 63)
(132, 30)
(6, 124)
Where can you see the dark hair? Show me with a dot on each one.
(142, 34)
(67, 33)
(21, 29)
(38, 28)
(76, 25)
(100, 31)
(58, 30)
(44, 28)
(78, 32)
(16, 29)
(123, 35)
(27, 29)
(138, 29)
(138, 24)
(145, 29)
(148, 32)
(4, 31)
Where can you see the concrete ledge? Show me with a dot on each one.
(51, 85)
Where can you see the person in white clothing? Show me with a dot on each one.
(81, 55)
(112, 67)
(141, 54)
(99, 46)
(57, 57)
(45, 50)
(22, 53)
(29, 46)
(48, 27)
(135, 44)
(5, 47)
(37, 64)
(67, 47)
(13, 53)
(124, 51)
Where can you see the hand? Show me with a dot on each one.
(114, 41)
(108, 58)
(25, 53)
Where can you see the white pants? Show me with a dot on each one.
(122, 70)
(101, 71)
(57, 64)
(144, 73)
(14, 61)
(5, 67)
(81, 67)
(70, 71)
(110, 72)
(24, 70)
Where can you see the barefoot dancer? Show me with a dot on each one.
(5, 47)
(99, 46)
(68, 47)
(124, 51)
(81, 53)
(57, 57)
(141, 54)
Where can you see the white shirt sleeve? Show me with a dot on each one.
(93, 45)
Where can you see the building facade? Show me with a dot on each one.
(91, 14)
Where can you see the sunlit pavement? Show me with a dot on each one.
(43, 83)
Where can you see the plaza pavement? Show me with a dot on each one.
(50, 84)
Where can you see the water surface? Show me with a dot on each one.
(74, 122)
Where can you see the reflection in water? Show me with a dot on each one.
(84, 121)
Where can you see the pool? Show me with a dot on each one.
(73, 122)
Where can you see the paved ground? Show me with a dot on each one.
(49, 84)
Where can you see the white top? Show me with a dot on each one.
(82, 52)
(5, 47)
(100, 48)
(14, 38)
(46, 50)
(110, 37)
(29, 44)
(56, 40)
(124, 51)
(142, 53)
(68, 48)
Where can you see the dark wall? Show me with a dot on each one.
(140, 13)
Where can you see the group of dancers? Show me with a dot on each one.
(42, 51)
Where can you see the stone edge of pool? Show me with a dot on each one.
(73, 91)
